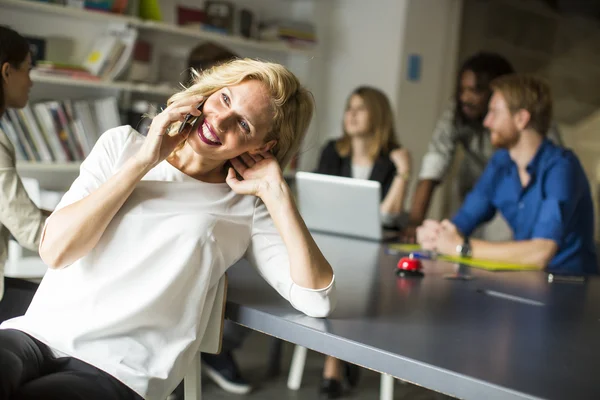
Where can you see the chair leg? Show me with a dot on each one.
(386, 387)
(192, 383)
(297, 368)
(275, 349)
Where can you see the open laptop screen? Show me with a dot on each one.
(339, 205)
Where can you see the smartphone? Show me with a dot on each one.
(191, 119)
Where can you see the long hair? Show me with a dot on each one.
(292, 103)
(14, 49)
(486, 67)
(381, 123)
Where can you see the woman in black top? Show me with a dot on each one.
(367, 150)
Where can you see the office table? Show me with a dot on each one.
(500, 335)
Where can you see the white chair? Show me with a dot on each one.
(211, 343)
(386, 386)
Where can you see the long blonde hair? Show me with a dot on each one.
(381, 123)
(291, 102)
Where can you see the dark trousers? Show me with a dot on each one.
(28, 370)
(18, 294)
(233, 336)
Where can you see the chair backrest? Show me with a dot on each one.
(212, 339)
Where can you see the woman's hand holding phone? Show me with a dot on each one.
(161, 141)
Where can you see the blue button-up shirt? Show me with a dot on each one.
(556, 205)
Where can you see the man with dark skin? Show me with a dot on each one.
(461, 124)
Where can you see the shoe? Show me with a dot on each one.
(223, 370)
(352, 374)
(330, 389)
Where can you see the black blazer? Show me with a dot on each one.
(331, 163)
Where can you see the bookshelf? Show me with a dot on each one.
(195, 34)
(81, 26)
(158, 90)
(58, 10)
(51, 9)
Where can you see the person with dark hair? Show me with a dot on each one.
(368, 149)
(539, 187)
(461, 125)
(19, 216)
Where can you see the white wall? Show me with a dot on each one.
(366, 44)
(432, 31)
(360, 43)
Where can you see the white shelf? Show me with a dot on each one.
(196, 33)
(56, 9)
(158, 90)
(30, 166)
(191, 33)
(52, 176)
(25, 268)
(146, 88)
(66, 81)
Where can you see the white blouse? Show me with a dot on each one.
(134, 306)
(361, 171)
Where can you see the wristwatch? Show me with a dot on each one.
(464, 249)
(404, 175)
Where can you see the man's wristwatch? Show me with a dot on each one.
(464, 249)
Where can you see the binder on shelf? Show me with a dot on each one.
(7, 128)
(59, 131)
(24, 138)
(111, 52)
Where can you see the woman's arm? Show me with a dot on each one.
(74, 230)
(17, 212)
(393, 203)
(308, 267)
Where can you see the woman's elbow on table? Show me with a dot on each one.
(315, 303)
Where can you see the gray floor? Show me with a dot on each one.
(252, 358)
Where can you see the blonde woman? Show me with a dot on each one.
(367, 150)
(144, 234)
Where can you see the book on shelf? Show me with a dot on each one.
(111, 51)
(49, 68)
(292, 32)
(59, 131)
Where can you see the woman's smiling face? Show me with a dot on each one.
(235, 120)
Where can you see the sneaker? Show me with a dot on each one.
(330, 389)
(223, 370)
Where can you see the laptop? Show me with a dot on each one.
(341, 205)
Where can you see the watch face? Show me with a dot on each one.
(466, 249)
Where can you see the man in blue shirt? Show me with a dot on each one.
(540, 189)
